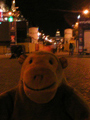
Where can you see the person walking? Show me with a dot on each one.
(70, 49)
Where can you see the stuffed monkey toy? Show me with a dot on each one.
(42, 92)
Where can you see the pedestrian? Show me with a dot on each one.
(73, 48)
(70, 49)
(63, 48)
(16, 51)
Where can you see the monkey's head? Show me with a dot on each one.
(41, 74)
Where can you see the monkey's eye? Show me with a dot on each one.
(51, 62)
(30, 61)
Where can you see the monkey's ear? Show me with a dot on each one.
(63, 62)
(22, 58)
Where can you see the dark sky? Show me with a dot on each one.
(48, 15)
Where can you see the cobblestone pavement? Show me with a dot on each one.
(77, 74)
(9, 73)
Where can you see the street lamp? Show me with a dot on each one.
(86, 11)
(76, 24)
(78, 17)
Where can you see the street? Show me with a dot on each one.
(77, 74)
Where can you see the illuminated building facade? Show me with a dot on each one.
(84, 35)
(12, 25)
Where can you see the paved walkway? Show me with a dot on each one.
(65, 54)
(77, 72)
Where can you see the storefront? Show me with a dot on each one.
(84, 35)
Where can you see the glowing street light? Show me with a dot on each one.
(86, 11)
(76, 24)
(78, 17)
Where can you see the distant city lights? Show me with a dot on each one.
(9, 13)
(6, 18)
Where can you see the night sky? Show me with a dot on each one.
(50, 15)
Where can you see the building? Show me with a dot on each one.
(13, 26)
(68, 34)
(84, 35)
